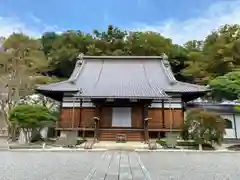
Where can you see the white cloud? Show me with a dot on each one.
(8, 25)
(218, 14)
(35, 18)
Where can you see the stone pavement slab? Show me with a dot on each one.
(192, 165)
(121, 165)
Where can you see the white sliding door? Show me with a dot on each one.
(121, 117)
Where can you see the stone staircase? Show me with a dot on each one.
(110, 135)
(113, 145)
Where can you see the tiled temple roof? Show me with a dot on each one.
(142, 77)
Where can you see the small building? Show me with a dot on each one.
(134, 96)
(227, 111)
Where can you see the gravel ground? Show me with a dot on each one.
(122, 165)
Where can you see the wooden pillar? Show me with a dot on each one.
(145, 121)
(58, 124)
(171, 115)
(163, 115)
(235, 128)
(97, 121)
(80, 113)
(183, 108)
(143, 114)
(73, 114)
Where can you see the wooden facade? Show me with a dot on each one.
(161, 119)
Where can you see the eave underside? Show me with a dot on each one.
(186, 97)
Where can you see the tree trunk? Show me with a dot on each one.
(12, 132)
(36, 135)
(200, 147)
(26, 136)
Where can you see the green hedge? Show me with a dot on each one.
(163, 142)
(187, 144)
(234, 147)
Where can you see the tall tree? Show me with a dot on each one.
(110, 42)
(61, 50)
(217, 55)
(148, 44)
(21, 60)
(226, 87)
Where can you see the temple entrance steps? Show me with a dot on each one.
(127, 134)
(113, 145)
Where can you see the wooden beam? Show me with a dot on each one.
(164, 130)
(80, 129)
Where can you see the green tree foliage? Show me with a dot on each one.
(203, 127)
(196, 61)
(237, 108)
(32, 117)
(217, 55)
(226, 86)
(21, 58)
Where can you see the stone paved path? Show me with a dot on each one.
(121, 165)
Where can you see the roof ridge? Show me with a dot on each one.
(122, 57)
(77, 70)
(168, 71)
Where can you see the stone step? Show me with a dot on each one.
(112, 145)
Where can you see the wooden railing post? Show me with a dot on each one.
(96, 127)
(146, 134)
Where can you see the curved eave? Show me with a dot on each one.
(187, 88)
(125, 97)
(220, 108)
(56, 90)
(55, 95)
(188, 91)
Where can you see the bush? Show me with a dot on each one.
(203, 127)
(206, 146)
(162, 142)
(234, 147)
(187, 144)
(32, 118)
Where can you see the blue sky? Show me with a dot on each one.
(179, 19)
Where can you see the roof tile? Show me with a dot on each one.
(123, 77)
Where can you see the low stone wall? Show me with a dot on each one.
(3, 132)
